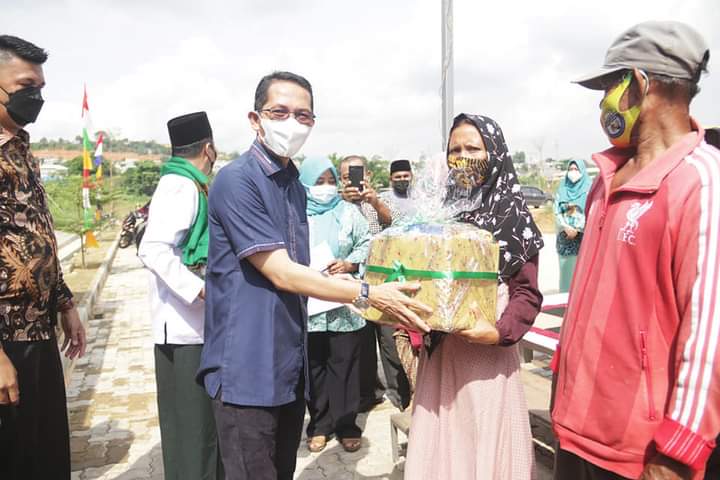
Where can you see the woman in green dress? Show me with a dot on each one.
(570, 218)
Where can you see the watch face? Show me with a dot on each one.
(365, 289)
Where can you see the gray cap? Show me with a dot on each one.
(672, 49)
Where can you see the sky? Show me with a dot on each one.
(374, 66)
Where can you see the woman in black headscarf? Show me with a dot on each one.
(470, 419)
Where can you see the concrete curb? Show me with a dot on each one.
(87, 306)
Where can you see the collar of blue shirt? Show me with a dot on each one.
(269, 163)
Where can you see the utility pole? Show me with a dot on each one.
(447, 80)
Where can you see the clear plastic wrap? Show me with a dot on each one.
(456, 265)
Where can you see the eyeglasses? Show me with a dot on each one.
(306, 117)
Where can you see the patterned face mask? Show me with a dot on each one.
(467, 173)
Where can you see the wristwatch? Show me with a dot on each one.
(362, 301)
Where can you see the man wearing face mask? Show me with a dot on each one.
(34, 436)
(401, 178)
(175, 248)
(637, 370)
(254, 362)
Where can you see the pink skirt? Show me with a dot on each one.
(470, 420)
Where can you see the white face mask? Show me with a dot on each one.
(574, 176)
(284, 137)
(323, 193)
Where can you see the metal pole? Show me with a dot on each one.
(112, 190)
(447, 81)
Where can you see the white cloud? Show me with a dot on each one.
(374, 65)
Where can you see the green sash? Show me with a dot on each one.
(196, 242)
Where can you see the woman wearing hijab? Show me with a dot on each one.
(335, 336)
(570, 218)
(470, 419)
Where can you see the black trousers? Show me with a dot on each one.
(398, 386)
(34, 435)
(371, 388)
(187, 426)
(334, 383)
(260, 443)
(569, 466)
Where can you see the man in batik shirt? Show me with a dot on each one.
(34, 433)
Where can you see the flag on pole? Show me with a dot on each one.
(98, 157)
(90, 240)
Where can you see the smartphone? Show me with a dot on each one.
(357, 176)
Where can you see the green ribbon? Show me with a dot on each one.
(399, 272)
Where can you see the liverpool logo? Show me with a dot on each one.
(627, 232)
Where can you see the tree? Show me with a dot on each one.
(65, 201)
(380, 169)
(519, 158)
(75, 166)
(142, 179)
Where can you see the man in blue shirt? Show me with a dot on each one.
(254, 360)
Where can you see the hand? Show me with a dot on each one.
(341, 266)
(570, 232)
(75, 341)
(201, 295)
(369, 194)
(482, 333)
(351, 194)
(390, 299)
(665, 468)
(9, 390)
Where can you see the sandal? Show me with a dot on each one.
(351, 444)
(317, 443)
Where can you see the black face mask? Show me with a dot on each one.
(24, 105)
(401, 187)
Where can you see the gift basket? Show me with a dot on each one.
(455, 263)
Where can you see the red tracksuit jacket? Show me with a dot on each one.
(638, 369)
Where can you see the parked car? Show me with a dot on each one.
(535, 197)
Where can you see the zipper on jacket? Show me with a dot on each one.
(645, 363)
(596, 247)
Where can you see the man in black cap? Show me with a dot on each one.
(401, 178)
(637, 369)
(175, 250)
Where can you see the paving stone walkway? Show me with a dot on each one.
(113, 413)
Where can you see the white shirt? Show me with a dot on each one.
(178, 316)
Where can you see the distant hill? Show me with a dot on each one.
(65, 155)
(110, 145)
(113, 149)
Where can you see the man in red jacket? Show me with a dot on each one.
(637, 391)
